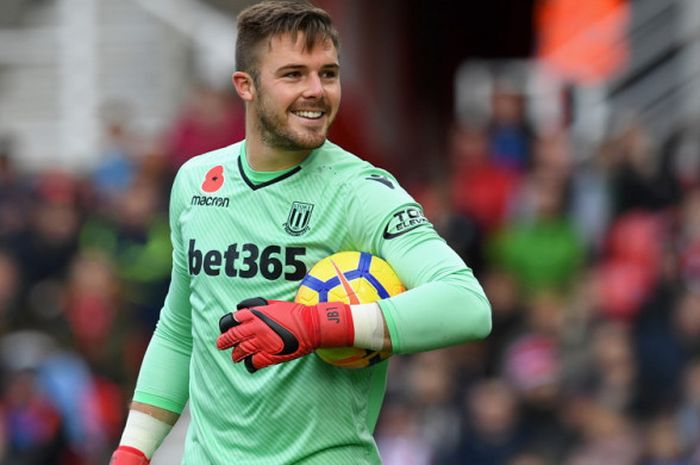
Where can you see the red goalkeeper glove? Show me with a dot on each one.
(263, 333)
(125, 455)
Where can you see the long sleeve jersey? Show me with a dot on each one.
(236, 234)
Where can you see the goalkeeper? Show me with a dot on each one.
(249, 220)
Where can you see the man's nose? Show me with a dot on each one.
(314, 86)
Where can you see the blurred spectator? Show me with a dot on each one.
(631, 263)
(91, 310)
(32, 425)
(540, 247)
(491, 433)
(591, 203)
(398, 436)
(687, 415)
(636, 182)
(612, 375)
(49, 243)
(9, 291)
(685, 168)
(659, 356)
(552, 155)
(69, 384)
(210, 119)
(667, 341)
(431, 387)
(135, 237)
(14, 197)
(679, 169)
(479, 188)
(607, 437)
(117, 162)
(580, 315)
(663, 443)
(529, 458)
(509, 133)
(532, 367)
(461, 232)
(545, 314)
(45, 403)
(507, 314)
(686, 323)
(688, 240)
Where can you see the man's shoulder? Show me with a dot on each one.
(221, 155)
(330, 153)
(344, 165)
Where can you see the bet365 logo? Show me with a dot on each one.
(248, 261)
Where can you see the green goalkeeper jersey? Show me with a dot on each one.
(238, 234)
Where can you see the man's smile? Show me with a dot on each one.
(308, 114)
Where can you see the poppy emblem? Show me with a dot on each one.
(214, 179)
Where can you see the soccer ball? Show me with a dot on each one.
(352, 278)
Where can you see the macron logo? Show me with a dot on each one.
(209, 201)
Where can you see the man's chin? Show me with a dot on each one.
(310, 143)
(299, 146)
(295, 141)
(316, 144)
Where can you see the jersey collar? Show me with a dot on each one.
(259, 179)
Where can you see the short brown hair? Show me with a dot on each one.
(270, 18)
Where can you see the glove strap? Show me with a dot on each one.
(336, 328)
(125, 455)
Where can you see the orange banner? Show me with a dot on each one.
(582, 41)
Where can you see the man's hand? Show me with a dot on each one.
(264, 333)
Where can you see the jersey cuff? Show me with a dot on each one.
(158, 401)
(388, 311)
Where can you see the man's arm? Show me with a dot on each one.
(160, 414)
(161, 391)
(146, 427)
(162, 386)
(444, 305)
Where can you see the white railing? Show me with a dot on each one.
(70, 56)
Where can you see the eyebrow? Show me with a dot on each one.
(296, 67)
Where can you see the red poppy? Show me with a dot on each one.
(214, 179)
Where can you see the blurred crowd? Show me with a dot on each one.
(589, 254)
(84, 268)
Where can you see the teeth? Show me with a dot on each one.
(309, 114)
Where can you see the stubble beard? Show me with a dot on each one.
(275, 131)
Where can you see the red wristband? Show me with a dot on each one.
(125, 455)
(336, 328)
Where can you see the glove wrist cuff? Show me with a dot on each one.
(125, 455)
(336, 328)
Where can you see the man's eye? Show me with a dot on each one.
(329, 74)
(292, 74)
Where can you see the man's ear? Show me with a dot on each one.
(244, 85)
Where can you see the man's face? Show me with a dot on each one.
(297, 93)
